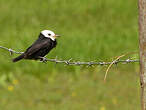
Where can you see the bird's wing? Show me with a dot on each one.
(36, 47)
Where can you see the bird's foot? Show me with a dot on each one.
(43, 59)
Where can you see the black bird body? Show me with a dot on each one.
(41, 47)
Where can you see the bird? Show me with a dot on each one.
(40, 48)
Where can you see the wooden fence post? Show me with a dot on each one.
(142, 45)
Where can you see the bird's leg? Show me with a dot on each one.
(43, 59)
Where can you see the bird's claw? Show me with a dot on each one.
(43, 59)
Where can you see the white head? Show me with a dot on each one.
(49, 34)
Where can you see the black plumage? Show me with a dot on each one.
(38, 49)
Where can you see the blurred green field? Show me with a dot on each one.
(96, 30)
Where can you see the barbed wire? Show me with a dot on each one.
(10, 50)
(70, 62)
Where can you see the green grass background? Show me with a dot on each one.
(91, 30)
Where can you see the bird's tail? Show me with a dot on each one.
(18, 58)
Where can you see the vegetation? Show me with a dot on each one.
(91, 30)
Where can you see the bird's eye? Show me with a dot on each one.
(49, 34)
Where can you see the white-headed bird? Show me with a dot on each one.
(41, 47)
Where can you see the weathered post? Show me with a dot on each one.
(142, 45)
